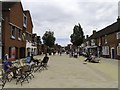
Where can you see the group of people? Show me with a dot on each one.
(9, 67)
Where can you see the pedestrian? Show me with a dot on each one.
(6, 57)
(8, 67)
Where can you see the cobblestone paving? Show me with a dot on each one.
(65, 72)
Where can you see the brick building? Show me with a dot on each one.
(34, 44)
(39, 46)
(106, 42)
(14, 29)
(29, 31)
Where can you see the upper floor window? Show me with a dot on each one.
(88, 44)
(118, 49)
(24, 20)
(99, 42)
(105, 39)
(19, 34)
(93, 42)
(118, 35)
(0, 24)
(0, 27)
(13, 32)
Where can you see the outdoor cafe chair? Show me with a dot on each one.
(42, 65)
(22, 74)
(2, 79)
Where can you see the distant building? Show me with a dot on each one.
(34, 44)
(39, 46)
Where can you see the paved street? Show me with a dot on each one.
(65, 72)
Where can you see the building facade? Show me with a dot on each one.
(29, 31)
(106, 42)
(14, 29)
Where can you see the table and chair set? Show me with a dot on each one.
(24, 71)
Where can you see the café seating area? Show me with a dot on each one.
(24, 71)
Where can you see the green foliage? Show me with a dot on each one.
(48, 38)
(78, 35)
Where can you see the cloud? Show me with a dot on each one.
(60, 16)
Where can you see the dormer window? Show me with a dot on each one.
(24, 20)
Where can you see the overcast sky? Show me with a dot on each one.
(60, 16)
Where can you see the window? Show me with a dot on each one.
(93, 42)
(0, 27)
(118, 49)
(27, 36)
(105, 50)
(0, 24)
(118, 35)
(24, 20)
(19, 34)
(105, 39)
(13, 31)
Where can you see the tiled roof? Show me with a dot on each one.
(105, 31)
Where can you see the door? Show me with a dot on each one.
(112, 53)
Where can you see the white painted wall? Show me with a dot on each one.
(34, 48)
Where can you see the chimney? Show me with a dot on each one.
(87, 36)
(94, 31)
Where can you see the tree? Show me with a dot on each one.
(78, 35)
(48, 38)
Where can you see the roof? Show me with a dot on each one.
(105, 31)
(7, 5)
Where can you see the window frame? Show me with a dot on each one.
(13, 36)
(24, 20)
(19, 34)
(118, 35)
(118, 49)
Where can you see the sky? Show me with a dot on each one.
(60, 16)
